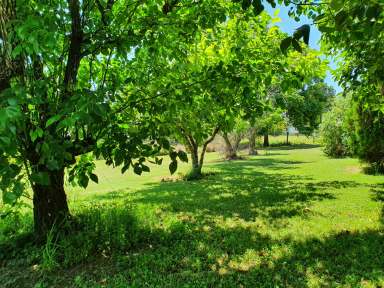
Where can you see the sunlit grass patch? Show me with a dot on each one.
(288, 218)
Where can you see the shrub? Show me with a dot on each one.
(336, 133)
(369, 115)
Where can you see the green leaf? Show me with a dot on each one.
(9, 197)
(52, 120)
(173, 167)
(137, 169)
(296, 45)
(125, 168)
(284, 45)
(34, 134)
(246, 4)
(94, 178)
(145, 168)
(173, 155)
(302, 32)
(340, 18)
(257, 7)
(182, 156)
(83, 180)
(272, 3)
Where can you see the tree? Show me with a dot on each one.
(228, 64)
(353, 29)
(64, 91)
(233, 139)
(252, 134)
(305, 107)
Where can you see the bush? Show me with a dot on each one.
(369, 115)
(336, 131)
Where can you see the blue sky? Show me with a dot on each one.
(289, 25)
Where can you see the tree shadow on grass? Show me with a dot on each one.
(238, 190)
(344, 259)
(378, 195)
(293, 146)
(201, 252)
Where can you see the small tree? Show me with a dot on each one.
(233, 139)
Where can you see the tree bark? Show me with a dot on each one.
(230, 152)
(7, 64)
(50, 207)
(252, 142)
(196, 167)
(266, 140)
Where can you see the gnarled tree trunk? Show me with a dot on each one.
(230, 152)
(191, 143)
(50, 207)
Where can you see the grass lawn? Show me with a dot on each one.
(286, 218)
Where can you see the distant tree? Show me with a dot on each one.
(233, 139)
(354, 29)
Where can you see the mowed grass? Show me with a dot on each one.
(289, 217)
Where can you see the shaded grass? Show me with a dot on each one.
(291, 218)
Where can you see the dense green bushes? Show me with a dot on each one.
(354, 127)
(336, 131)
(369, 123)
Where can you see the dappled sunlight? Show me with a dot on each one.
(254, 221)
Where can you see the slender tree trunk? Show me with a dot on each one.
(266, 140)
(50, 207)
(196, 165)
(230, 152)
(287, 141)
(252, 142)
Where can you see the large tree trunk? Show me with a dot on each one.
(230, 151)
(266, 140)
(252, 142)
(50, 207)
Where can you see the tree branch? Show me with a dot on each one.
(209, 140)
(76, 41)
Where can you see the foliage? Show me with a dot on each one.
(336, 130)
(66, 93)
(353, 32)
(304, 110)
(369, 127)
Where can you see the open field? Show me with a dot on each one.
(289, 217)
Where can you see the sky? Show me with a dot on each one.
(288, 25)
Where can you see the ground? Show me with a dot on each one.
(290, 217)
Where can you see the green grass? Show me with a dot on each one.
(286, 218)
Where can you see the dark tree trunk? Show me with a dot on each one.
(287, 142)
(50, 207)
(266, 140)
(252, 142)
(230, 152)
